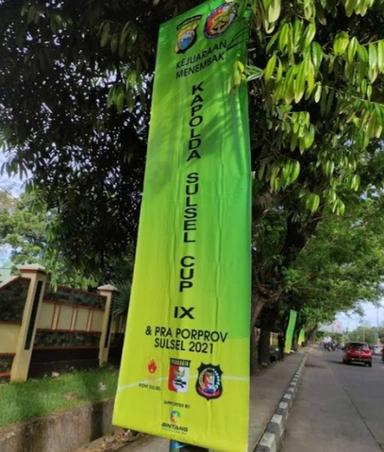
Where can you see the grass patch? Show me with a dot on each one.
(34, 398)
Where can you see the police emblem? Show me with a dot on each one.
(208, 383)
(178, 376)
(220, 20)
(186, 34)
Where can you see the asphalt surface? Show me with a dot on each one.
(339, 407)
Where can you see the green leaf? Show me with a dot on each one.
(288, 92)
(329, 168)
(326, 101)
(362, 53)
(309, 34)
(352, 47)
(120, 101)
(274, 180)
(312, 202)
(369, 92)
(295, 171)
(123, 40)
(283, 37)
(270, 67)
(279, 73)
(253, 73)
(111, 96)
(340, 43)
(317, 54)
(309, 137)
(323, 101)
(338, 207)
(317, 93)
(309, 71)
(372, 61)
(105, 34)
(274, 10)
(260, 173)
(299, 84)
(241, 8)
(297, 33)
(355, 183)
(272, 41)
(286, 173)
(380, 56)
(349, 7)
(308, 9)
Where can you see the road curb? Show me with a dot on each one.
(274, 432)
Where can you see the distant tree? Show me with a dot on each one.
(27, 229)
(366, 333)
(342, 264)
(7, 201)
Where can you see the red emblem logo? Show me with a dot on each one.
(152, 367)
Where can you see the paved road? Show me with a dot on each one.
(339, 408)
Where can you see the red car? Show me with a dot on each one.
(358, 352)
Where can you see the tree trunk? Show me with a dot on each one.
(257, 306)
(254, 352)
(295, 340)
(264, 346)
(311, 335)
(268, 320)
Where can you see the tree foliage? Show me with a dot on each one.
(74, 108)
(26, 230)
(317, 89)
(342, 263)
(366, 334)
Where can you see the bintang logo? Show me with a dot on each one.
(173, 424)
(174, 416)
(187, 34)
(220, 20)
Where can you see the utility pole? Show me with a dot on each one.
(177, 446)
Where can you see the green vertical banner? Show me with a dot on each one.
(290, 330)
(302, 337)
(185, 365)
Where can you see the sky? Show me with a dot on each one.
(12, 185)
(373, 316)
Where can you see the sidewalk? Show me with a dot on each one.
(267, 389)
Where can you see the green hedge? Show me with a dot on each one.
(12, 300)
(5, 363)
(64, 339)
(75, 296)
